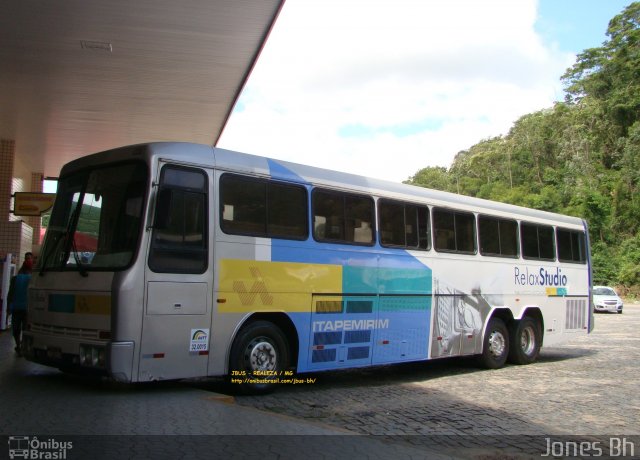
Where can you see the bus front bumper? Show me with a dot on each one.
(113, 359)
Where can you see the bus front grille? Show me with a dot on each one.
(65, 331)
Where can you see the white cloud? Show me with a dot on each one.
(384, 88)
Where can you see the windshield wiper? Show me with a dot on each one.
(67, 246)
(45, 257)
(70, 246)
(74, 249)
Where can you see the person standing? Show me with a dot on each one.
(17, 299)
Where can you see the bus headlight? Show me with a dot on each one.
(83, 355)
(92, 355)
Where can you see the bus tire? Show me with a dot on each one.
(259, 353)
(495, 346)
(525, 340)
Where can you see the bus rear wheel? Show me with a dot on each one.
(259, 354)
(525, 341)
(495, 347)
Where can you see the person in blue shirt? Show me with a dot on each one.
(17, 299)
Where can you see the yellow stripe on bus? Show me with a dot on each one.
(250, 285)
(93, 304)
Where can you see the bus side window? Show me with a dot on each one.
(319, 226)
(264, 208)
(454, 231)
(404, 225)
(342, 217)
(537, 241)
(571, 246)
(179, 238)
(498, 236)
(359, 212)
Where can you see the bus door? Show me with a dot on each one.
(179, 277)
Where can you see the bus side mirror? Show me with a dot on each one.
(163, 209)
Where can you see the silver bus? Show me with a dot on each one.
(177, 260)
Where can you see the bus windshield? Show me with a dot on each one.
(96, 220)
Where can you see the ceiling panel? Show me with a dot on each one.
(80, 76)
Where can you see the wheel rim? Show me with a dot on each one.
(497, 344)
(528, 340)
(261, 355)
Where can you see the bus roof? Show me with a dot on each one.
(204, 155)
(241, 162)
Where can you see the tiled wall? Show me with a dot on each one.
(17, 236)
(7, 153)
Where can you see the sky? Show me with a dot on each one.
(384, 88)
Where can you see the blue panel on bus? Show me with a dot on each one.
(405, 280)
(327, 338)
(359, 279)
(357, 337)
(358, 353)
(279, 171)
(407, 336)
(359, 306)
(322, 356)
(385, 319)
(367, 327)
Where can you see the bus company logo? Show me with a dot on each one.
(258, 288)
(350, 325)
(34, 448)
(542, 277)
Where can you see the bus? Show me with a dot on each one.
(178, 260)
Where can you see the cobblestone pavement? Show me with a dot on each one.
(587, 389)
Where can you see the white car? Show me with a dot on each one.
(606, 299)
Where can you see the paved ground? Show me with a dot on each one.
(584, 395)
(589, 387)
(104, 420)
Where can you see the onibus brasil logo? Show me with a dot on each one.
(33, 448)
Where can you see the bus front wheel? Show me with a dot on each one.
(495, 347)
(259, 354)
(525, 341)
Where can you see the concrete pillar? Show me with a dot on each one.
(7, 157)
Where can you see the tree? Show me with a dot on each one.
(435, 177)
(611, 73)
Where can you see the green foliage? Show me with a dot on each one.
(611, 73)
(580, 157)
(606, 260)
(629, 274)
(432, 177)
(88, 221)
